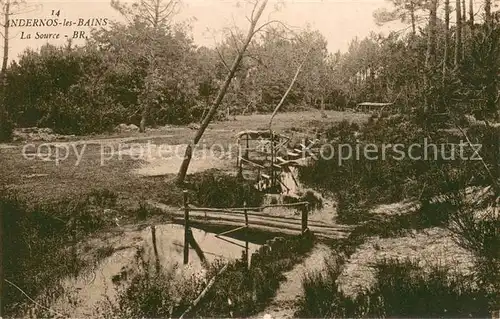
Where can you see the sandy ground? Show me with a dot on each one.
(431, 247)
(284, 303)
(163, 159)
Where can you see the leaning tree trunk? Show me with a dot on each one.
(222, 92)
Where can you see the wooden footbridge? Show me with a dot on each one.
(260, 219)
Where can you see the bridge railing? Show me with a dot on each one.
(242, 211)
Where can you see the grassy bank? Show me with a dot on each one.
(241, 292)
(402, 289)
(360, 184)
(40, 238)
(40, 245)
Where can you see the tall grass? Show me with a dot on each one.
(402, 289)
(481, 236)
(241, 292)
(39, 245)
(359, 182)
(214, 188)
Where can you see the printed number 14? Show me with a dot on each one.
(56, 13)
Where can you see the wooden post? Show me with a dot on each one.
(186, 227)
(272, 158)
(246, 233)
(247, 147)
(240, 169)
(155, 249)
(239, 154)
(258, 178)
(304, 218)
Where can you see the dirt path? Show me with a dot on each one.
(284, 303)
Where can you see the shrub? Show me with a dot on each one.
(37, 245)
(6, 129)
(321, 291)
(152, 294)
(214, 188)
(349, 209)
(481, 236)
(360, 183)
(314, 199)
(402, 289)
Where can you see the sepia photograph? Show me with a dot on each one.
(260, 159)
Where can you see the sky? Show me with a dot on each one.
(338, 20)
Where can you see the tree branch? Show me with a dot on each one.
(288, 90)
(488, 171)
(33, 301)
(222, 59)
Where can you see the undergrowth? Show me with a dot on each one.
(241, 292)
(214, 188)
(156, 294)
(38, 244)
(402, 289)
(238, 291)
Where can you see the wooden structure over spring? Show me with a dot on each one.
(267, 153)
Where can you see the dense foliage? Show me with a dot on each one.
(133, 71)
(129, 68)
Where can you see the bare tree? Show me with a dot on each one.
(156, 13)
(458, 34)
(431, 47)
(464, 29)
(446, 39)
(471, 14)
(258, 8)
